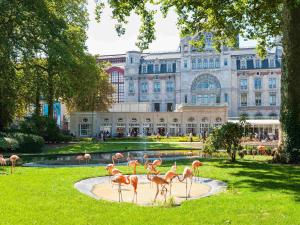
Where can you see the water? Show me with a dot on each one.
(105, 158)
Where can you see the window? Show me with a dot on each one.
(211, 63)
(169, 67)
(156, 68)
(225, 62)
(131, 88)
(243, 64)
(185, 63)
(156, 87)
(144, 87)
(272, 63)
(131, 60)
(272, 83)
(217, 63)
(194, 99)
(121, 78)
(258, 99)
(85, 129)
(169, 107)
(194, 64)
(144, 69)
(272, 98)
(205, 63)
(114, 77)
(121, 88)
(185, 99)
(244, 99)
(170, 86)
(199, 64)
(257, 83)
(208, 40)
(226, 97)
(243, 84)
(257, 63)
(156, 107)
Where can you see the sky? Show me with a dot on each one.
(103, 39)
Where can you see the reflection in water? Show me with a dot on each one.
(105, 158)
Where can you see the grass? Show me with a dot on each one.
(115, 146)
(258, 193)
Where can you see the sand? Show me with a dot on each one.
(146, 191)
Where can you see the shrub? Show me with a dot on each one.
(27, 143)
(8, 144)
(45, 127)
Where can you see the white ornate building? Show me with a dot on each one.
(236, 81)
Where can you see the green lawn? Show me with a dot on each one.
(258, 193)
(106, 147)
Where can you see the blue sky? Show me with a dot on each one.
(103, 39)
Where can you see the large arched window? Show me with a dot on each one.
(205, 90)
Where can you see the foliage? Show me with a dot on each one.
(25, 143)
(45, 127)
(43, 55)
(8, 144)
(227, 136)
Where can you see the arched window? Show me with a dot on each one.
(161, 120)
(218, 119)
(133, 119)
(175, 120)
(120, 120)
(106, 120)
(206, 89)
(148, 120)
(204, 119)
(85, 120)
(199, 64)
(191, 119)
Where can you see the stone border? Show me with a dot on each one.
(86, 186)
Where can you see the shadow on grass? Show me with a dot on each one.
(262, 176)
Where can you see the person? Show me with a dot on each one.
(191, 137)
(167, 135)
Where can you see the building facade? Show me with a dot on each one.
(170, 82)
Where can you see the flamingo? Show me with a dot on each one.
(13, 160)
(79, 158)
(174, 167)
(195, 166)
(134, 164)
(187, 173)
(109, 168)
(157, 162)
(117, 156)
(87, 157)
(134, 182)
(2, 162)
(120, 179)
(169, 176)
(158, 181)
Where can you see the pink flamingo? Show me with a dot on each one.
(187, 173)
(117, 156)
(13, 160)
(195, 166)
(87, 157)
(2, 163)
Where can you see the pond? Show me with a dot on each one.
(104, 158)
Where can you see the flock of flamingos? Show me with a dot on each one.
(152, 175)
(117, 177)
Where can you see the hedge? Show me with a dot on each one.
(27, 143)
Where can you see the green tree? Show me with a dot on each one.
(227, 137)
(262, 20)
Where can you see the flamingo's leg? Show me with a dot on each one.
(170, 187)
(157, 191)
(190, 187)
(119, 190)
(186, 189)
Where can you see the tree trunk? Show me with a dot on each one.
(233, 156)
(50, 94)
(37, 101)
(290, 90)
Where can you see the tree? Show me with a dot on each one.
(262, 20)
(228, 136)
